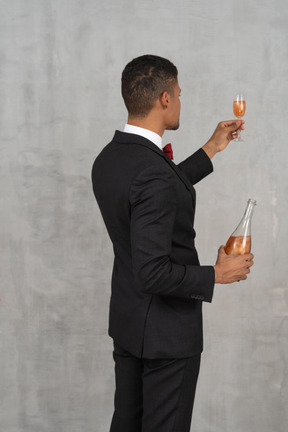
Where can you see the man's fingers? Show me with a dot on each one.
(233, 125)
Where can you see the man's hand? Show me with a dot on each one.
(229, 268)
(224, 133)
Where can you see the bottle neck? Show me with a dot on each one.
(244, 227)
(249, 210)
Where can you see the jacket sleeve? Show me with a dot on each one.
(197, 166)
(153, 200)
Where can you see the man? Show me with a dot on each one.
(158, 285)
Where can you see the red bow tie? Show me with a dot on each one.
(168, 151)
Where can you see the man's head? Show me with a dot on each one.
(144, 80)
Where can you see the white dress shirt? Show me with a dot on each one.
(146, 133)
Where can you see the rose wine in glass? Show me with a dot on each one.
(239, 108)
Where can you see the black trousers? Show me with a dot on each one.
(153, 395)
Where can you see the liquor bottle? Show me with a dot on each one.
(239, 243)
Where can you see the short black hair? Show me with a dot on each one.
(144, 79)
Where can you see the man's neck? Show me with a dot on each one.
(149, 123)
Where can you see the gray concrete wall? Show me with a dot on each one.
(60, 66)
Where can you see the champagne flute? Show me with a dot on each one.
(239, 108)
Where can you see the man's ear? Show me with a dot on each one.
(165, 99)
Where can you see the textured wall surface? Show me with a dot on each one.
(60, 102)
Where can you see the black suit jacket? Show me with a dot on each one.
(148, 205)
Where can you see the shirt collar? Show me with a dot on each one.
(146, 133)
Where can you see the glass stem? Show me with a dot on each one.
(239, 134)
